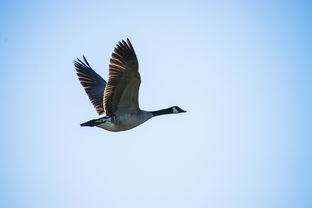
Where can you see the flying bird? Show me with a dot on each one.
(118, 97)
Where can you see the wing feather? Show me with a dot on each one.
(93, 83)
(121, 91)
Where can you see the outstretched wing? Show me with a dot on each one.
(93, 83)
(122, 89)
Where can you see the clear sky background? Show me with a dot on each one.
(242, 70)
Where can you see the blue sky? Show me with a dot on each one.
(242, 70)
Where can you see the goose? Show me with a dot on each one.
(117, 98)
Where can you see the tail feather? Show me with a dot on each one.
(92, 123)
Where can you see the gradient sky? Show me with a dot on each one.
(242, 70)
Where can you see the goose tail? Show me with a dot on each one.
(92, 123)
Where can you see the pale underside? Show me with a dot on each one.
(125, 121)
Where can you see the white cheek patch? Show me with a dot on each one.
(174, 110)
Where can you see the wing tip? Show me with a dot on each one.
(79, 63)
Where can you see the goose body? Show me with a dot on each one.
(117, 98)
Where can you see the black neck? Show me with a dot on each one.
(162, 112)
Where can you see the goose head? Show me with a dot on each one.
(177, 109)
